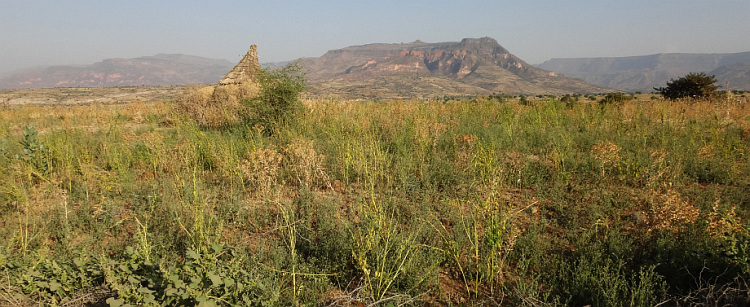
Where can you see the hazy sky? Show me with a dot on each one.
(83, 32)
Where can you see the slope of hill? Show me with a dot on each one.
(418, 69)
(161, 69)
(735, 77)
(643, 73)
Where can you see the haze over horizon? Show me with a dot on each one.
(41, 33)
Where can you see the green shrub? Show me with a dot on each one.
(603, 272)
(55, 282)
(524, 101)
(279, 99)
(34, 152)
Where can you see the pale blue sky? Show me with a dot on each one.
(83, 32)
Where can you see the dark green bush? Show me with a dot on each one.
(602, 271)
(615, 98)
(693, 85)
(569, 100)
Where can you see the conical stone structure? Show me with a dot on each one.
(246, 70)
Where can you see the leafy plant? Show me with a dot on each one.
(569, 100)
(383, 252)
(53, 282)
(34, 151)
(216, 276)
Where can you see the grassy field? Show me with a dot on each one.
(493, 200)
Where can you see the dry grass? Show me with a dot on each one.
(216, 106)
(670, 212)
(261, 169)
(307, 167)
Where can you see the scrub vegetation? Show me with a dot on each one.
(467, 201)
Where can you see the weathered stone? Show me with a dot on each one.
(246, 70)
(222, 105)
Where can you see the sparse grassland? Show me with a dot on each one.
(501, 201)
(89, 95)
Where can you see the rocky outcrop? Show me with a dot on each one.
(470, 67)
(246, 70)
(458, 60)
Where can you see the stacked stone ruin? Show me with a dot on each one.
(246, 70)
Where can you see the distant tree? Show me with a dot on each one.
(569, 99)
(522, 100)
(694, 85)
(615, 98)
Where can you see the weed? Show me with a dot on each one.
(261, 169)
(216, 106)
(34, 152)
(307, 166)
(382, 251)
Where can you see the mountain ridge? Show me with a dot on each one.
(643, 73)
(160, 69)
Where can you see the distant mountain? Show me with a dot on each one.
(161, 69)
(418, 69)
(643, 73)
(473, 66)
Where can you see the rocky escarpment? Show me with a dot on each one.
(471, 66)
(643, 73)
(457, 60)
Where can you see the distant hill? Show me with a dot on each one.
(473, 66)
(643, 73)
(418, 69)
(161, 69)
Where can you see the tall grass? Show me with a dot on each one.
(459, 202)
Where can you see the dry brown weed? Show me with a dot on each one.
(670, 212)
(724, 226)
(307, 167)
(216, 106)
(607, 154)
(261, 169)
